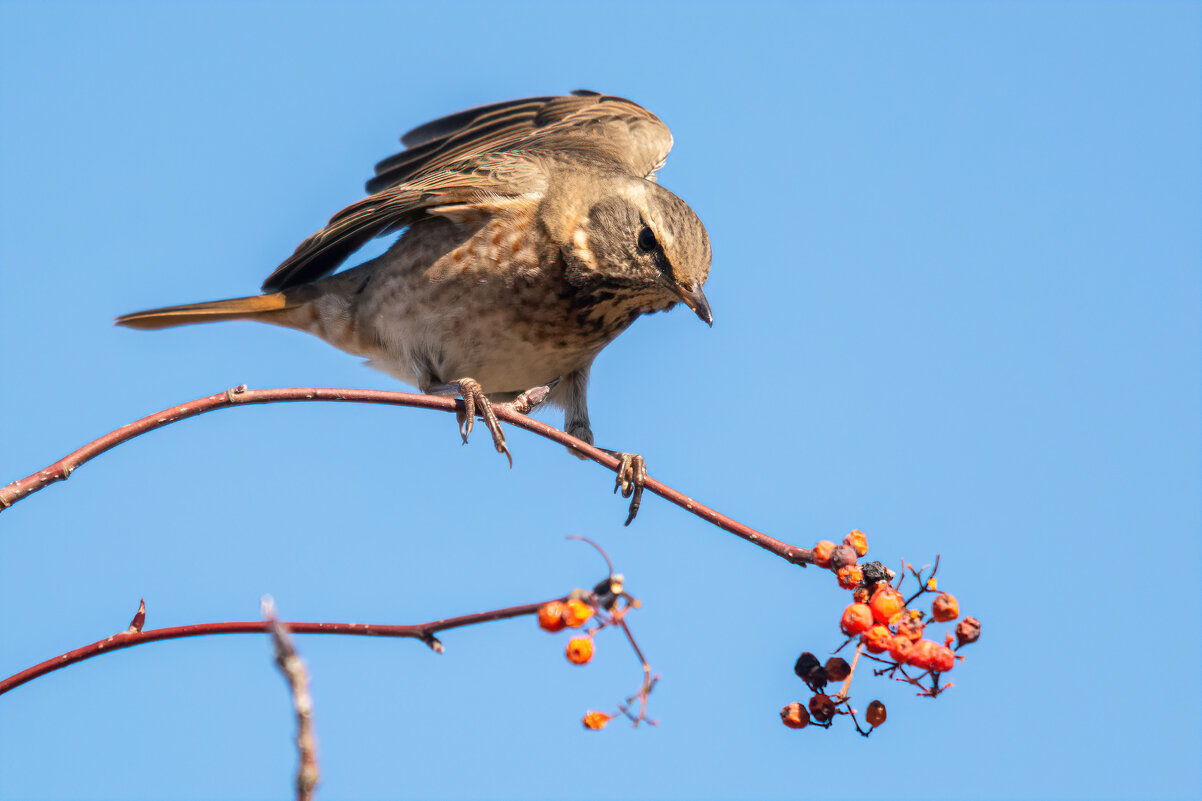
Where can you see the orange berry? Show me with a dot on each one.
(943, 659)
(856, 618)
(877, 638)
(857, 540)
(850, 577)
(596, 720)
(580, 650)
(795, 716)
(887, 605)
(922, 655)
(860, 595)
(821, 553)
(576, 613)
(875, 714)
(945, 607)
(550, 616)
(911, 626)
(899, 647)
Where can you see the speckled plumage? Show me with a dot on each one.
(534, 234)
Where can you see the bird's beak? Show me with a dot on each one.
(694, 298)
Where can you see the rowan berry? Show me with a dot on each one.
(877, 638)
(837, 668)
(810, 670)
(850, 577)
(875, 714)
(856, 618)
(887, 605)
(795, 716)
(968, 631)
(596, 720)
(899, 647)
(860, 595)
(822, 708)
(576, 613)
(550, 616)
(821, 553)
(857, 540)
(945, 607)
(942, 659)
(922, 655)
(911, 626)
(842, 556)
(580, 650)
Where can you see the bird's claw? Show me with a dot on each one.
(632, 474)
(473, 399)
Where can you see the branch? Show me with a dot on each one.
(241, 396)
(131, 637)
(293, 668)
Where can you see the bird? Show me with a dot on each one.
(532, 233)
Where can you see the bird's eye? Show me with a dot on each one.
(647, 241)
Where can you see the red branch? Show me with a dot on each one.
(241, 396)
(130, 637)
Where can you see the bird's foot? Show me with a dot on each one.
(531, 399)
(632, 474)
(475, 401)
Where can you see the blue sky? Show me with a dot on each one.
(956, 299)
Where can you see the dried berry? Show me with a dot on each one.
(850, 577)
(874, 573)
(822, 708)
(576, 613)
(810, 670)
(857, 540)
(887, 605)
(968, 630)
(842, 556)
(875, 714)
(837, 668)
(580, 650)
(550, 616)
(856, 618)
(795, 716)
(877, 638)
(821, 553)
(860, 595)
(945, 607)
(596, 720)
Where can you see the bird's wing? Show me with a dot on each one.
(482, 155)
(610, 127)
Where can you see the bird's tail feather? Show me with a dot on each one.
(255, 307)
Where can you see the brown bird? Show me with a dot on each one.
(534, 234)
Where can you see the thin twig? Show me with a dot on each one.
(241, 396)
(293, 668)
(126, 639)
(851, 674)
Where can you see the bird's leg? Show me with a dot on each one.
(571, 394)
(473, 397)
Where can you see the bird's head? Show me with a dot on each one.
(639, 237)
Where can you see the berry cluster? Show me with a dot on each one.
(606, 606)
(884, 621)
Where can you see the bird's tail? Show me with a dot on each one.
(255, 307)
